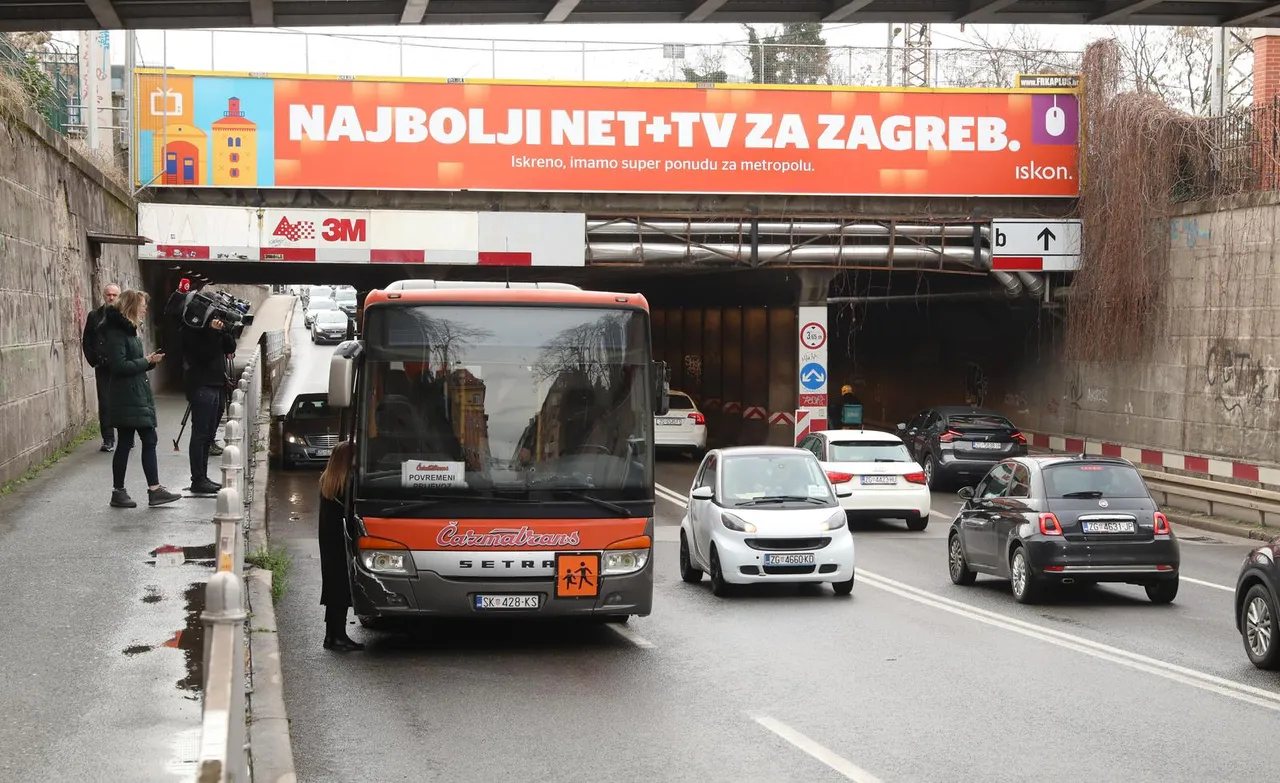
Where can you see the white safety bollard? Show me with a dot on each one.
(223, 606)
(232, 465)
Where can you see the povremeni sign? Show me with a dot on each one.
(199, 129)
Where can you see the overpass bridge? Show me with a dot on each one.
(744, 213)
(178, 14)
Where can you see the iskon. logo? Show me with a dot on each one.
(1034, 171)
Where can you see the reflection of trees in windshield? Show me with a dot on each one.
(525, 396)
(443, 340)
(594, 350)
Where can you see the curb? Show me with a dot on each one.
(270, 746)
(1221, 527)
(288, 321)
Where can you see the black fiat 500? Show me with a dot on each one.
(1041, 521)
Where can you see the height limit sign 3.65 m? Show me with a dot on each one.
(813, 336)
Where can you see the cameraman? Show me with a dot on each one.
(204, 354)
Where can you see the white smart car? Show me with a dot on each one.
(875, 474)
(764, 514)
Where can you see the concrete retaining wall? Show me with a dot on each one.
(51, 276)
(1212, 385)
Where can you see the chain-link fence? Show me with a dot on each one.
(47, 74)
(759, 63)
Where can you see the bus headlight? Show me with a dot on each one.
(384, 562)
(623, 561)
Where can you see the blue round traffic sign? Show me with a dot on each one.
(813, 376)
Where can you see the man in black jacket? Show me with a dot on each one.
(89, 346)
(204, 354)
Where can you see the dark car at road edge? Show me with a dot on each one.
(1256, 604)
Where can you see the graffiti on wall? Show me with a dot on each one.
(1188, 231)
(1236, 379)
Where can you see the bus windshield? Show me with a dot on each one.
(505, 401)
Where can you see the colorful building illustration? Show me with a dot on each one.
(204, 131)
(235, 148)
(184, 152)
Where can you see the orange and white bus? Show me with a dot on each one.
(504, 451)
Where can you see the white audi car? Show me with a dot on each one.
(876, 472)
(764, 514)
(683, 426)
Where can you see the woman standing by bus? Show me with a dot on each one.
(335, 586)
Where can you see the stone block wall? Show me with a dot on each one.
(51, 276)
(1211, 386)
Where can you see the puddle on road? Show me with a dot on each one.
(189, 639)
(171, 555)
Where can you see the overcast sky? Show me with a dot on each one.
(612, 52)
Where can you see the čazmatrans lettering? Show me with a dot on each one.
(505, 537)
(606, 128)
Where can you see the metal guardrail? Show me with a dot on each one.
(1216, 498)
(223, 754)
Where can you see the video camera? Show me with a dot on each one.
(198, 309)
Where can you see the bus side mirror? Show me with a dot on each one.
(662, 388)
(341, 375)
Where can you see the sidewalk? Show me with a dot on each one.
(100, 639)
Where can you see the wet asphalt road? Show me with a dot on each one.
(910, 679)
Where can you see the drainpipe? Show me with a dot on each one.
(1012, 285)
(1034, 284)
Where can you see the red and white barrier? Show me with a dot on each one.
(1156, 458)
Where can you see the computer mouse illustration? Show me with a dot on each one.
(1055, 121)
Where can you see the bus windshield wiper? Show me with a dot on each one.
(601, 502)
(782, 499)
(427, 501)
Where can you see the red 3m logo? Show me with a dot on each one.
(335, 230)
(343, 230)
(295, 231)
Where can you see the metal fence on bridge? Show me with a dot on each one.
(759, 63)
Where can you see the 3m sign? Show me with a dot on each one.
(335, 230)
(363, 236)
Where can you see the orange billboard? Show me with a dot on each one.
(231, 130)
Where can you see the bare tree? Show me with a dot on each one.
(996, 60)
(1175, 64)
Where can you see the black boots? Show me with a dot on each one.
(335, 631)
(337, 640)
(204, 486)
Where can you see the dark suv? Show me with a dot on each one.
(1257, 607)
(960, 443)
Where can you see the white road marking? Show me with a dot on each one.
(631, 636)
(670, 496)
(1203, 583)
(1249, 694)
(818, 752)
(680, 501)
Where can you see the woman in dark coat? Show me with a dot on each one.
(131, 407)
(335, 585)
